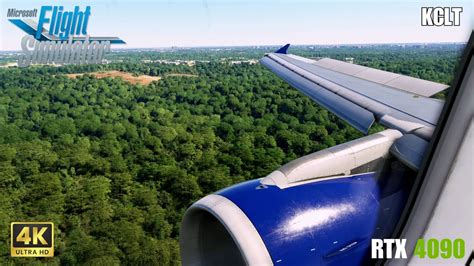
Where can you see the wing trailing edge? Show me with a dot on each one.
(356, 116)
(361, 95)
(396, 81)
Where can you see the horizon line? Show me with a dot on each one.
(278, 45)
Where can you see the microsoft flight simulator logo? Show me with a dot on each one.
(59, 36)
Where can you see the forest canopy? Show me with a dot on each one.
(115, 165)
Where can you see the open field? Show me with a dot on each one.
(142, 79)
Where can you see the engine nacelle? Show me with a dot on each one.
(321, 209)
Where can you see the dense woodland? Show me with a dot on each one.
(115, 165)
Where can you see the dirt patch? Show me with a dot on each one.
(142, 79)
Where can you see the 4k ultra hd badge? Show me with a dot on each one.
(32, 239)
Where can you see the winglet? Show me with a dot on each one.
(283, 49)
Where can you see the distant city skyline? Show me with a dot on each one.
(194, 23)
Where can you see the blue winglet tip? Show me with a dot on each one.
(283, 50)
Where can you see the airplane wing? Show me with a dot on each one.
(361, 95)
(324, 208)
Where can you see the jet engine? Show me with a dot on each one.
(322, 208)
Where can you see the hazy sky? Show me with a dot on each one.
(252, 22)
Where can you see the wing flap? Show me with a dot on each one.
(353, 114)
(349, 94)
(401, 82)
(421, 87)
(399, 100)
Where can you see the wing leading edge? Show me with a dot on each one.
(361, 95)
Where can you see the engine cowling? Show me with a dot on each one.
(298, 216)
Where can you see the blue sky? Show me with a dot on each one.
(259, 22)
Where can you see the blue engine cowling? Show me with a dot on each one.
(325, 222)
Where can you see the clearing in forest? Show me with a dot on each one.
(142, 79)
